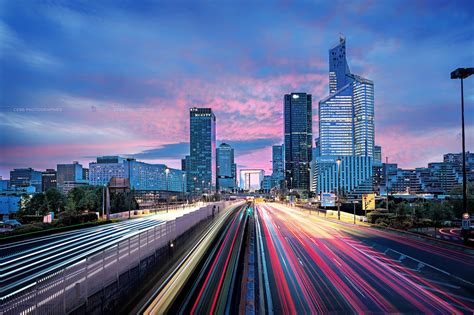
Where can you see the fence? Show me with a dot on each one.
(64, 290)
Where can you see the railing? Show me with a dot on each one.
(62, 291)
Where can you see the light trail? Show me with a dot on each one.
(320, 266)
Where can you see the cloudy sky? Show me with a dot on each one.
(85, 78)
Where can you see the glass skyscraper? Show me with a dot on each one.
(346, 129)
(201, 175)
(278, 165)
(298, 139)
(226, 168)
(346, 116)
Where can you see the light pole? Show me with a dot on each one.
(167, 171)
(462, 73)
(338, 161)
(129, 160)
(354, 203)
(202, 189)
(184, 178)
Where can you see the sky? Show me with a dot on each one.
(80, 79)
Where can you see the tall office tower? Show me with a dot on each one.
(48, 179)
(346, 127)
(298, 139)
(278, 166)
(24, 177)
(226, 168)
(346, 116)
(201, 175)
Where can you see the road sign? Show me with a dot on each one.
(368, 201)
(328, 200)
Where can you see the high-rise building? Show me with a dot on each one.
(24, 177)
(68, 175)
(346, 116)
(346, 129)
(298, 139)
(278, 166)
(48, 179)
(201, 175)
(226, 168)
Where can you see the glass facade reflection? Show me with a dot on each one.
(298, 139)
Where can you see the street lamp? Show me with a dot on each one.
(462, 73)
(338, 161)
(167, 171)
(129, 160)
(184, 178)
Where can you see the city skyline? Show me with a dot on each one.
(140, 108)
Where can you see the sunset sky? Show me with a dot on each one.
(86, 78)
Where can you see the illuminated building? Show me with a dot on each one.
(298, 140)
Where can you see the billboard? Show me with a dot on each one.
(328, 200)
(368, 202)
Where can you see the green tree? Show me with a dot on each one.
(56, 200)
(89, 201)
(456, 199)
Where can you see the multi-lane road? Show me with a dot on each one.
(273, 259)
(322, 266)
(207, 280)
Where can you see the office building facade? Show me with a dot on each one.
(142, 176)
(24, 177)
(346, 128)
(49, 179)
(201, 175)
(298, 140)
(278, 166)
(226, 168)
(71, 173)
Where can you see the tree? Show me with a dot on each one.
(456, 199)
(56, 200)
(89, 201)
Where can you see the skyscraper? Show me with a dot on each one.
(201, 175)
(298, 139)
(346, 116)
(226, 168)
(278, 165)
(346, 130)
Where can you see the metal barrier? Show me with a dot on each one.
(62, 291)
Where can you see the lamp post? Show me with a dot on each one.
(129, 160)
(354, 203)
(167, 171)
(184, 178)
(462, 73)
(202, 189)
(338, 161)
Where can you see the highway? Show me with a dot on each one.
(317, 265)
(23, 262)
(207, 280)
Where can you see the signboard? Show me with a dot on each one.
(368, 201)
(328, 200)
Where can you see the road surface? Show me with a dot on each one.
(321, 266)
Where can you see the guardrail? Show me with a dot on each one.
(62, 291)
